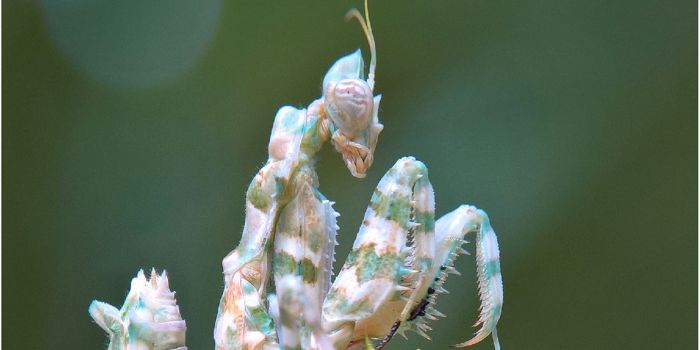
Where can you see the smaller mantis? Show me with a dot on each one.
(279, 292)
(149, 319)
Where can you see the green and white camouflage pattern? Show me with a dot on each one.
(278, 286)
(400, 258)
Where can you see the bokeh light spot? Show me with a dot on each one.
(132, 43)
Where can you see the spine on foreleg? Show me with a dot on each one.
(423, 236)
(490, 283)
(450, 230)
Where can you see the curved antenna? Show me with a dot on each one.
(367, 28)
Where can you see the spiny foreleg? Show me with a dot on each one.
(376, 279)
(450, 231)
(489, 280)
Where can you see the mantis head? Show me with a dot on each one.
(353, 110)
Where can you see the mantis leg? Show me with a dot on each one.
(303, 264)
(246, 269)
(396, 238)
(488, 270)
(402, 257)
(242, 319)
(450, 231)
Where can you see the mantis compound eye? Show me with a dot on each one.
(350, 104)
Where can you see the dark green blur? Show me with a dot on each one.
(131, 131)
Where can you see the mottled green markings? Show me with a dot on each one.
(332, 297)
(116, 328)
(316, 240)
(287, 319)
(311, 142)
(134, 332)
(291, 123)
(261, 320)
(308, 271)
(495, 314)
(427, 219)
(232, 339)
(288, 223)
(280, 186)
(342, 306)
(370, 265)
(391, 207)
(257, 196)
(285, 264)
(258, 316)
(492, 268)
(396, 296)
(425, 264)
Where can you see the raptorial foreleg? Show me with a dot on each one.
(401, 259)
(450, 231)
(379, 273)
(490, 281)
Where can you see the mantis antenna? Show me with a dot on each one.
(367, 28)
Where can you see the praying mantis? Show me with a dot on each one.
(400, 258)
(278, 286)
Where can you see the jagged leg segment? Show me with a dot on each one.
(489, 280)
(377, 278)
(450, 231)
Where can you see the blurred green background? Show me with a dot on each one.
(132, 128)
